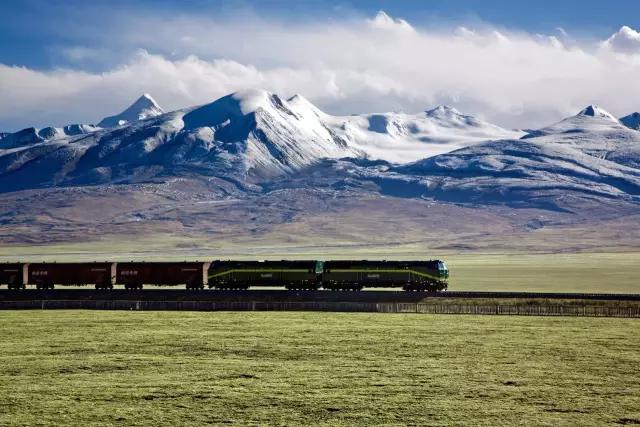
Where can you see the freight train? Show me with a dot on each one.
(238, 275)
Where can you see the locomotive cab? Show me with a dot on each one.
(443, 271)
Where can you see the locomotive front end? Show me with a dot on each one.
(443, 271)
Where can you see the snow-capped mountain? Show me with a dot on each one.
(249, 135)
(522, 172)
(144, 107)
(270, 135)
(252, 163)
(31, 136)
(595, 132)
(401, 138)
(589, 120)
(257, 140)
(632, 121)
(589, 155)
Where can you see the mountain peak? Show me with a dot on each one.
(443, 111)
(144, 107)
(233, 106)
(250, 100)
(595, 111)
(631, 121)
(146, 100)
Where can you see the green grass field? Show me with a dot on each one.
(571, 272)
(168, 368)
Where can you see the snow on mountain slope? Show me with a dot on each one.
(254, 139)
(248, 135)
(525, 172)
(592, 119)
(596, 132)
(272, 135)
(587, 156)
(31, 136)
(144, 107)
(402, 138)
(632, 121)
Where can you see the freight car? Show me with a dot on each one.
(409, 275)
(133, 275)
(14, 275)
(293, 275)
(46, 275)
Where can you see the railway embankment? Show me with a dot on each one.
(475, 303)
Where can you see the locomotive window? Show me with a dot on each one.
(319, 267)
(442, 266)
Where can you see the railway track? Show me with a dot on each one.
(289, 296)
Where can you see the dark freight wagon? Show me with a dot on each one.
(133, 275)
(410, 275)
(243, 274)
(46, 275)
(14, 275)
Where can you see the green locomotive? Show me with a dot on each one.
(331, 275)
(294, 275)
(408, 275)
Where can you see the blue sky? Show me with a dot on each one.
(35, 29)
(517, 63)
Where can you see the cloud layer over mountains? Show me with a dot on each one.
(367, 65)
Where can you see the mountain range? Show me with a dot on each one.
(258, 149)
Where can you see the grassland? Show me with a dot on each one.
(573, 272)
(163, 368)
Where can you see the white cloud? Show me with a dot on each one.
(625, 40)
(349, 66)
